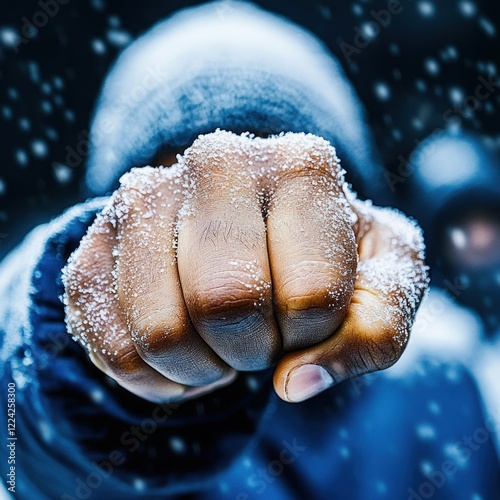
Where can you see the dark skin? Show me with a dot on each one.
(247, 255)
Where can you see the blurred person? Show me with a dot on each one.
(156, 401)
(456, 180)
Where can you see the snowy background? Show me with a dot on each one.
(416, 70)
(427, 58)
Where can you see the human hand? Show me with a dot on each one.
(242, 255)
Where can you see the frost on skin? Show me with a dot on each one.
(256, 282)
(93, 292)
(282, 172)
(398, 273)
(245, 249)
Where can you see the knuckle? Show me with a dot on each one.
(384, 348)
(139, 180)
(307, 301)
(126, 365)
(315, 154)
(211, 150)
(307, 290)
(134, 195)
(155, 335)
(126, 201)
(229, 301)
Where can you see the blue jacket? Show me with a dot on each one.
(79, 435)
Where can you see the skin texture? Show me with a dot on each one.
(248, 253)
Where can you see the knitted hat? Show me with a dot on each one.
(227, 65)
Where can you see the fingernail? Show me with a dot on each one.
(307, 381)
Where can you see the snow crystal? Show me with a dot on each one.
(9, 37)
(7, 112)
(51, 133)
(46, 88)
(382, 91)
(69, 115)
(252, 383)
(253, 271)
(369, 30)
(24, 124)
(467, 8)
(426, 431)
(177, 444)
(434, 407)
(394, 49)
(431, 66)
(58, 83)
(63, 173)
(455, 453)
(451, 162)
(34, 71)
(452, 52)
(420, 85)
(357, 9)
(12, 93)
(458, 237)
(456, 95)
(426, 8)
(488, 27)
(39, 148)
(325, 11)
(98, 46)
(21, 157)
(114, 21)
(46, 107)
(118, 38)
(97, 395)
(139, 484)
(427, 468)
(46, 431)
(98, 5)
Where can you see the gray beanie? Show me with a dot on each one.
(227, 65)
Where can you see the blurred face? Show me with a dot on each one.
(472, 240)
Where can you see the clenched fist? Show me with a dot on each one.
(246, 253)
